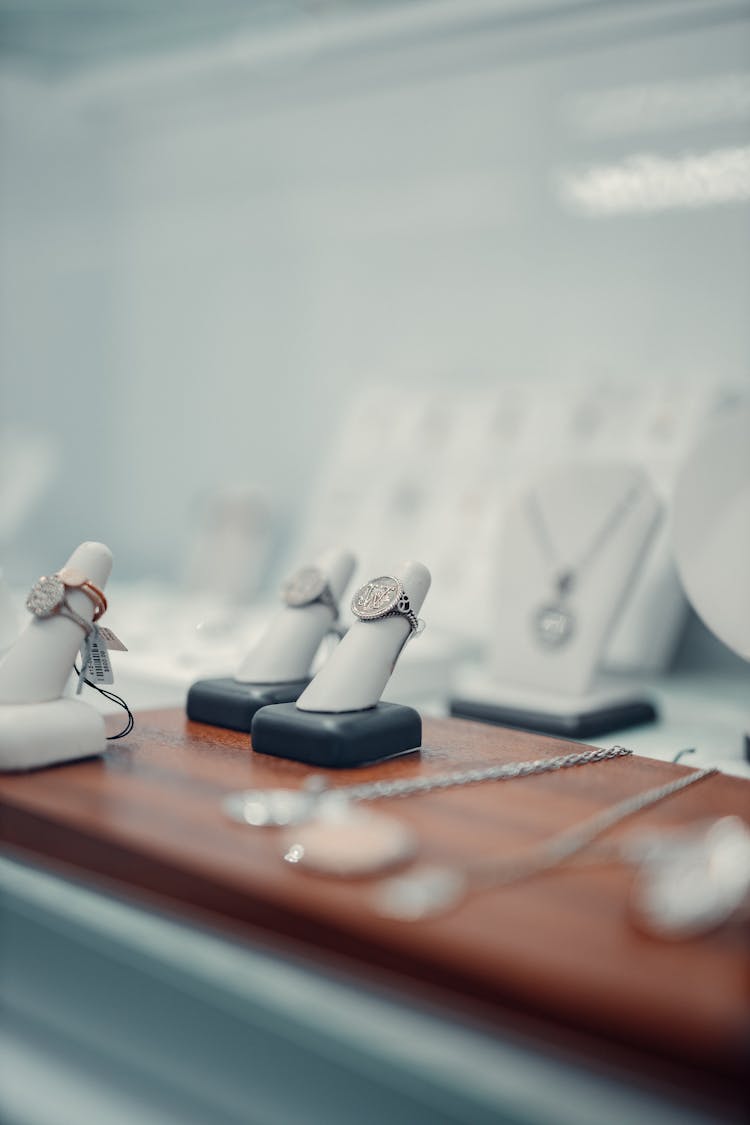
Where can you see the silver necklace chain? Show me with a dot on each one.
(432, 889)
(404, 787)
(566, 575)
(570, 841)
(276, 808)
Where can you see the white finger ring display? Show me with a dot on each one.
(37, 725)
(309, 586)
(339, 719)
(277, 668)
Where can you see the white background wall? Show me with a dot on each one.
(203, 256)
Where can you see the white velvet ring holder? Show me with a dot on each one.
(277, 668)
(356, 675)
(37, 726)
(338, 720)
(286, 649)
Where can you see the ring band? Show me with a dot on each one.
(74, 580)
(66, 610)
(96, 596)
(409, 614)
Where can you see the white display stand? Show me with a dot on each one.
(355, 676)
(339, 720)
(37, 726)
(711, 533)
(578, 501)
(9, 623)
(711, 530)
(286, 649)
(656, 596)
(457, 456)
(278, 667)
(607, 692)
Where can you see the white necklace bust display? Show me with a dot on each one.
(38, 726)
(554, 624)
(571, 549)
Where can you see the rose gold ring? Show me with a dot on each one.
(77, 581)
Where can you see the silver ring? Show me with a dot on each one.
(309, 586)
(66, 610)
(383, 597)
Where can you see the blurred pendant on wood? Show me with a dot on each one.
(425, 891)
(693, 880)
(271, 808)
(348, 841)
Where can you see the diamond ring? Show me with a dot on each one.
(48, 598)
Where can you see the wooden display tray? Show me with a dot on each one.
(555, 955)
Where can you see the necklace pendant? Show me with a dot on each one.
(554, 625)
(694, 881)
(348, 842)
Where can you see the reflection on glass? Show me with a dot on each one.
(644, 182)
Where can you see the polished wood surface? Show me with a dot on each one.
(559, 948)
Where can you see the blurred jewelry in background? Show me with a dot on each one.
(711, 533)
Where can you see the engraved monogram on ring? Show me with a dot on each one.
(384, 597)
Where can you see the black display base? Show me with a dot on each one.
(337, 741)
(229, 703)
(577, 726)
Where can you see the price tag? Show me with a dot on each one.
(111, 640)
(98, 667)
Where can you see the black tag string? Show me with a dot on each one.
(113, 698)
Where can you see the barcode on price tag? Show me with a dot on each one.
(99, 669)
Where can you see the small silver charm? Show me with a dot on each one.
(554, 625)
